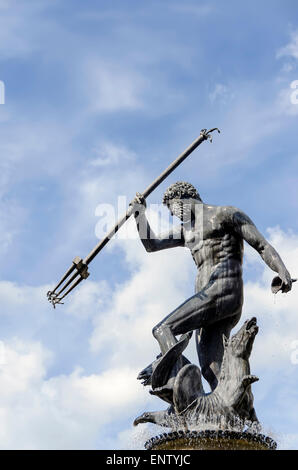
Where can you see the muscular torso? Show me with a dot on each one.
(215, 247)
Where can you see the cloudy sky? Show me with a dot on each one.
(100, 97)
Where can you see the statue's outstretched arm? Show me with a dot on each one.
(244, 226)
(150, 240)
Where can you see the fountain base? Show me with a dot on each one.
(210, 440)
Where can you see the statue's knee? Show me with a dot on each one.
(158, 330)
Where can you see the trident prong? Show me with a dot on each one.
(207, 134)
(81, 272)
(52, 297)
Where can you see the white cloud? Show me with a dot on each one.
(242, 133)
(286, 101)
(62, 412)
(113, 87)
(12, 216)
(111, 154)
(291, 49)
(18, 37)
(37, 149)
(96, 185)
(288, 442)
(16, 298)
(88, 300)
(277, 314)
(221, 93)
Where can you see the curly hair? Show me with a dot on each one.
(180, 190)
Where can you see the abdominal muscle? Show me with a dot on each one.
(219, 268)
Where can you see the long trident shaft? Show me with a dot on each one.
(79, 269)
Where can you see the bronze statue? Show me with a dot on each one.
(214, 235)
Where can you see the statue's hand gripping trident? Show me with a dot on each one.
(79, 268)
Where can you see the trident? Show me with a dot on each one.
(79, 268)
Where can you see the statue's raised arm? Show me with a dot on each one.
(152, 242)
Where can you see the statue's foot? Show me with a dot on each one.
(168, 360)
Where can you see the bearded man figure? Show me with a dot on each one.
(214, 235)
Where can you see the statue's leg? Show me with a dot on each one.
(210, 347)
(193, 313)
(202, 309)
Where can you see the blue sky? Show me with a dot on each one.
(100, 98)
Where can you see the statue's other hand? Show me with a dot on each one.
(138, 204)
(282, 283)
(286, 282)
